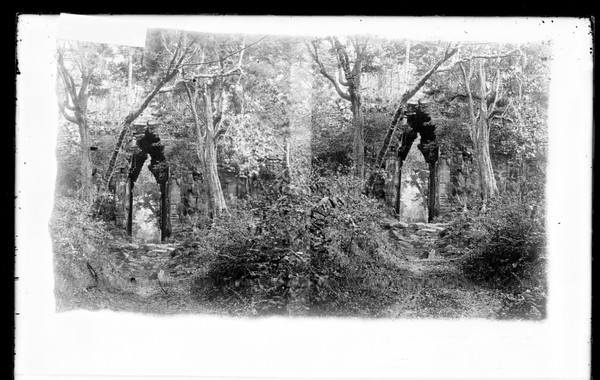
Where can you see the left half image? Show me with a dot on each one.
(136, 165)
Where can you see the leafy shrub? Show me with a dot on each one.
(68, 170)
(524, 304)
(465, 231)
(300, 252)
(104, 207)
(78, 242)
(512, 254)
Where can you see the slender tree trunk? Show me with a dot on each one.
(207, 151)
(130, 82)
(388, 137)
(399, 188)
(216, 198)
(349, 77)
(480, 134)
(358, 146)
(432, 191)
(87, 186)
(487, 180)
(125, 127)
(79, 100)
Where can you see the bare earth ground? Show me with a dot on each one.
(433, 288)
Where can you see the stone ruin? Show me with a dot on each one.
(183, 197)
(451, 174)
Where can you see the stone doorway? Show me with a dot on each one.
(142, 192)
(415, 188)
(145, 209)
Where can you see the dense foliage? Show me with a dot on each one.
(299, 252)
(308, 243)
(80, 244)
(512, 255)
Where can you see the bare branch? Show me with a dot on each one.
(483, 92)
(343, 59)
(502, 117)
(515, 52)
(68, 80)
(227, 56)
(191, 92)
(175, 54)
(341, 77)
(242, 49)
(83, 95)
(496, 95)
(67, 105)
(164, 41)
(69, 118)
(234, 71)
(360, 49)
(323, 71)
(417, 86)
(468, 90)
(219, 127)
(208, 109)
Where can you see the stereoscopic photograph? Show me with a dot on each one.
(347, 175)
(303, 197)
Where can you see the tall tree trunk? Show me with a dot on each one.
(358, 146)
(130, 82)
(349, 77)
(480, 132)
(398, 203)
(216, 198)
(79, 100)
(207, 150)
(87, 186)
(390, 133)
(487, 180)
(432, 191)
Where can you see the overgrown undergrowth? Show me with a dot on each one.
(317, 251)
(511, 255)
(302, 252)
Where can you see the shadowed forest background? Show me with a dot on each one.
(342, 176)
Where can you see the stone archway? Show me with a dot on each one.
(145, 143)
(418, 124)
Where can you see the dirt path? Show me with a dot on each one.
(436, 287)
(155, 279)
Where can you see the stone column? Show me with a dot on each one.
(165, 211)
(175, 203)
(444, 190)
(122, 195)
(391, 178)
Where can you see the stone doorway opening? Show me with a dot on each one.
(410, 183)
(415, 188)
(148, 213)
(145, 209)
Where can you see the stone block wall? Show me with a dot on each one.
(188, 199)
